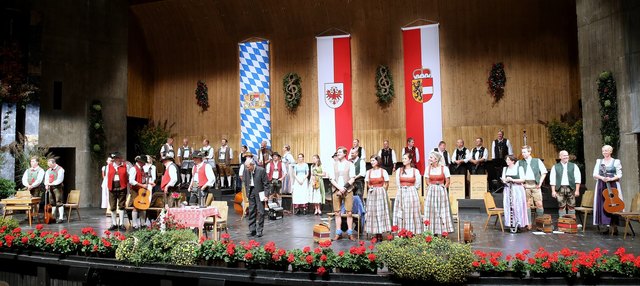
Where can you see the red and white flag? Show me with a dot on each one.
(423, 102)
(334, 94)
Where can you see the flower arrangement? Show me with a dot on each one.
(609, 110)
(384, 85)
(496, 82)
(202, 95)
(292, 90)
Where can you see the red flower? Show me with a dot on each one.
(526, 252)
(374, 240)
(86, 242)
(309, 259)
(445, 234)
(532, 261)
(574, 269)
(508, 258)
(75, 239)
(620, 251)
(427, 222)
(248, 256)
(394, 228)
(64, 231)
(231, 249)
(306, 249)
(290, 259)
(281, 252)
(16, 230)
(39, 227)
(317, 250)
(50, 240)
(321, 270)
(475, 264)
(225, 236)
(372, 246)
(201, 240)
(89, 230)
(428, 238)
(389, 237)
(1, 243)
(323, 258)
(372, 257)
(325, 243)
(546, 264)
(106, 243)
(270, 247)
(341, 253)
(25, 239)
(95, 248)
(275, 257)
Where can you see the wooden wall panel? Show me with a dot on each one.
(197, 39)
(139, 74)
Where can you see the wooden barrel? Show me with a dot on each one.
(544, 223)
(567, 224)
(321, 232)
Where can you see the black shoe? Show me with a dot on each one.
(122, 228)
(253, 233)
(59, 221)
(113, 227)
(260, 234)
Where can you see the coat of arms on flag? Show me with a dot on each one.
(422, 85)
(254, 100)
(334, 94)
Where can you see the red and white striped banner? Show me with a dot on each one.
(334, 94)
(423, 102)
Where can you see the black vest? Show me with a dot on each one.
(387, 159)
(500, 149)
(460, 154)
(480, 155)
(445, 154)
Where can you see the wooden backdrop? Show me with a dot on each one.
(181, 42)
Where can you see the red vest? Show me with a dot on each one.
(122, 173)
(271, 167)
(166, 177)
(202, 174)
(138, 176)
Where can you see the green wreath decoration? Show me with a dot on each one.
(292, 90)
(202, 95)
(384, 85)
(496, 82)
(608, 98)
(97, 137)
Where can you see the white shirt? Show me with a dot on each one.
(151, 169)
(417, 158)
(528, 173)
(485, 154)
(276, 169)
(39, 177)
(373, 174)
(58, 180)
(209, 151)
(413, 172)
(340, 166)
(442, 161)
(132, 176)
(564, 181)
(493, 147)
(208, 170)
(393, 156)
(173, 174)
(467, 155)
(363, 167)
(437, 171)
(223, 150)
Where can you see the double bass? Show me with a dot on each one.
(237, 203)
(48, 217)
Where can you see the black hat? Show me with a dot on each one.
(165, 158)
(197, 154)
(141, 158)
(276, 154)
(115, 155)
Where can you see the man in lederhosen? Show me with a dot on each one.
(170, 182)
(264, 154)
(276, 172)
(53, 185)
(185, 153)
(33, 177)
(138, 180)
(167, 149)
(565, 179)
(116, 175)
(225, 155)
(388, 157)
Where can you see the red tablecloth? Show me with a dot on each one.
(193, 216)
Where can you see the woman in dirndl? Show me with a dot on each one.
(316, 185)
(607, 170)
(437, 210)
(299, 186)
(288, 161)
(377, 215)
(406, 208)
(516, 211)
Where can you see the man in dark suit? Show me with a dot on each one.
(255, 181)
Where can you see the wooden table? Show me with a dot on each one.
(28, 204)
(195, 217)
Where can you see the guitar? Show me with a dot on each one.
(612, 202)
(142, 200)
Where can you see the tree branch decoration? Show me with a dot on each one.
(608, 98)
(384, 85)
(15, 85)
(202, 95)
(496, 82)
(97, 137)
(292, 90)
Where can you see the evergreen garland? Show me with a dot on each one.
(202, 95)
(496, 82)
(97, 138)
(608, 98)
(384, 85)
(291, 85)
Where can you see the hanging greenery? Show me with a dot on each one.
(496, 82)
(202, 95)
(153, 136)
(608, 98)
(384, 85)
(15, 85)
(97, 138)
(292, 90)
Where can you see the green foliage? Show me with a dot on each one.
(608, 98)
(496, 82)
(7, 188)
(97, 137)
(439, 260)
(148, 246)
(292, 90)
(202, 96)
(23, 152)
(153, 135)
(384, 85)
(8, 222)
(566, 136)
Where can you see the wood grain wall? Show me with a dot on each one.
(197, 39)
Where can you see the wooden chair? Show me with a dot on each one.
(586, 207)
(490, 207)
(26, 207)
(632, 215)
(221, 222)
(73, 202)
